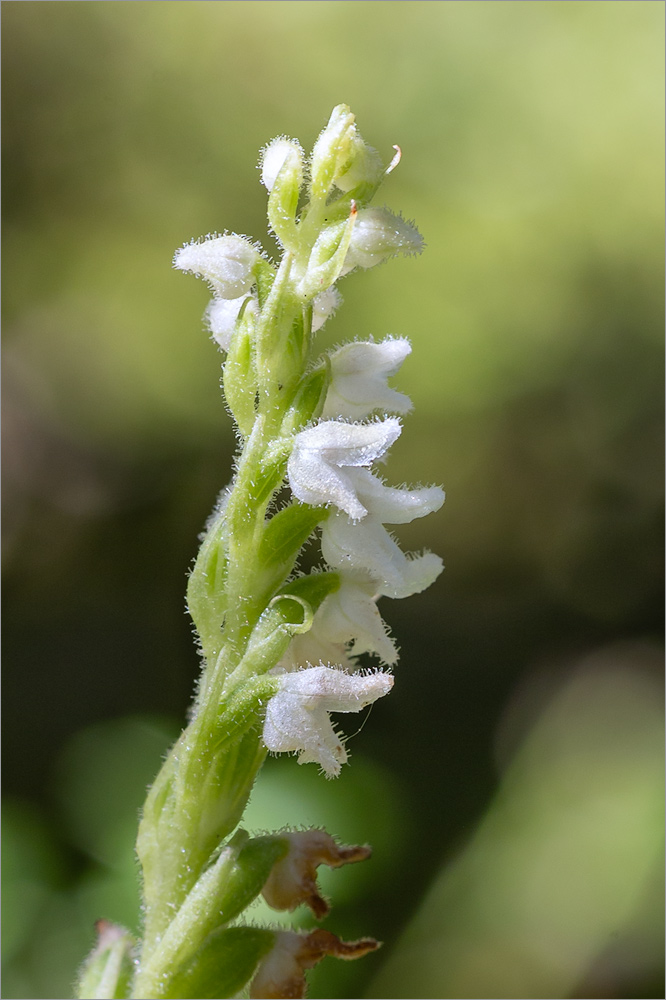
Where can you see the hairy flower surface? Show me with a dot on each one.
(225, 262)
(378, 235)
(321, 463)
(282, 972)
(293, 879)
(359, 374)
(297, 717)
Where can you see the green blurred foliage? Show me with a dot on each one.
(532, 143)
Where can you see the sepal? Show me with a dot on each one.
(321, 454)
(379, 235)
(226, 262)
(220, 318)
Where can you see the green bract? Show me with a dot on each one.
(277, 645)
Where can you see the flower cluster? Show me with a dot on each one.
(280, 647)
(329, 467)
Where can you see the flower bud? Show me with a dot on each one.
(282, 972)
(109, 969)
(332, 150)
(277, 153)
(365, 166)
(293, 878)
(282, 173)
(220, 318)
(378, 235)
(225, 262)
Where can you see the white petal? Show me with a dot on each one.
(297, 716)
(311, 649)
(220, 318)
(225, 262)
(273, 158)
(394, 506)
(370, 548)
(359, 374)
(320, 454)
(379, 234)
(350, 615)
(323, 307)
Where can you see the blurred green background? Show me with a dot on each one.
(512, 785)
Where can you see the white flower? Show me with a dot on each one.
(225, 262)
(293, 879)
(379, 234)
(323, 458)
(359, 379)
(350, 616)
(220, 318)
(275, 155)
(297, 716)
(368, 546)
(323, 307)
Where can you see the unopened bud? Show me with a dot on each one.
(365, 166)
(273, 158)
(332, 150)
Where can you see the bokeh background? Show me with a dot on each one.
(512, 786)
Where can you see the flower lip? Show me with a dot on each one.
(282, 971)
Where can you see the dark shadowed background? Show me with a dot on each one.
(512, 786)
